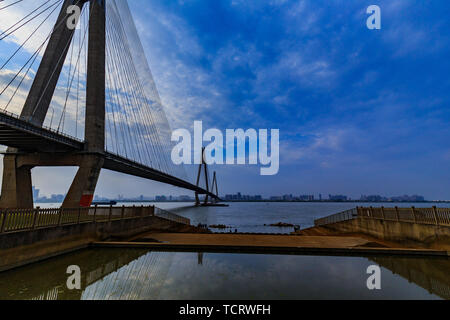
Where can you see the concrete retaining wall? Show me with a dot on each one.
(421, 235)
(20, 248)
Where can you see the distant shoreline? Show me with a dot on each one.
(334, 201)
(293, 201)
(273, 201)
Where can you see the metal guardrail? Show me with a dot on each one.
(429, 216)
(14, 220)
(171, 216)
(338, 217)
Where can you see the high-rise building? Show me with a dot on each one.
(306, 198)
(338, 198)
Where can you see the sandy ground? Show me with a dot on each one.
(266, 243)
(320, 231)
(257, 240)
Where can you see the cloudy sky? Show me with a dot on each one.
(359, 111)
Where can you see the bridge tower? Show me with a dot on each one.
(203, 166)
(213, 189)
(17, 184)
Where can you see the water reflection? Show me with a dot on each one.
(430, 274)
(47, 280)
(139, 274)
(142, 278)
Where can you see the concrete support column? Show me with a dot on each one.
(95, 89)
(81, 192)
(16, 186)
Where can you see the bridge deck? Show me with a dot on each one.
(18, 133)
(21, 134)
(119, 164)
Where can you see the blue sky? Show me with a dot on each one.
(359, 111)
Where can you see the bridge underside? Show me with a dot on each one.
(41, 147)
(16, 133)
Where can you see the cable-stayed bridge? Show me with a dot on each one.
(76, 90)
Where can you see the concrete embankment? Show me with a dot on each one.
(405, 234)
(24, 247)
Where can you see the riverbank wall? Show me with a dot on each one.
(405, 233)
(22, 247)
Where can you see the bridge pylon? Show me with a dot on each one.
(203, 167)
(215, 188)
(17, 184)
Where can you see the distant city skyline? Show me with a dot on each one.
(243, 197)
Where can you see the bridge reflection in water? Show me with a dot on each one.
(105, 274)
(143, 278)
(111, 274)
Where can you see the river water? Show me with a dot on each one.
(258, 216)
(142, 274)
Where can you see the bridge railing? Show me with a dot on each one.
(14, 220)
(431, 216)
(16, 116)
